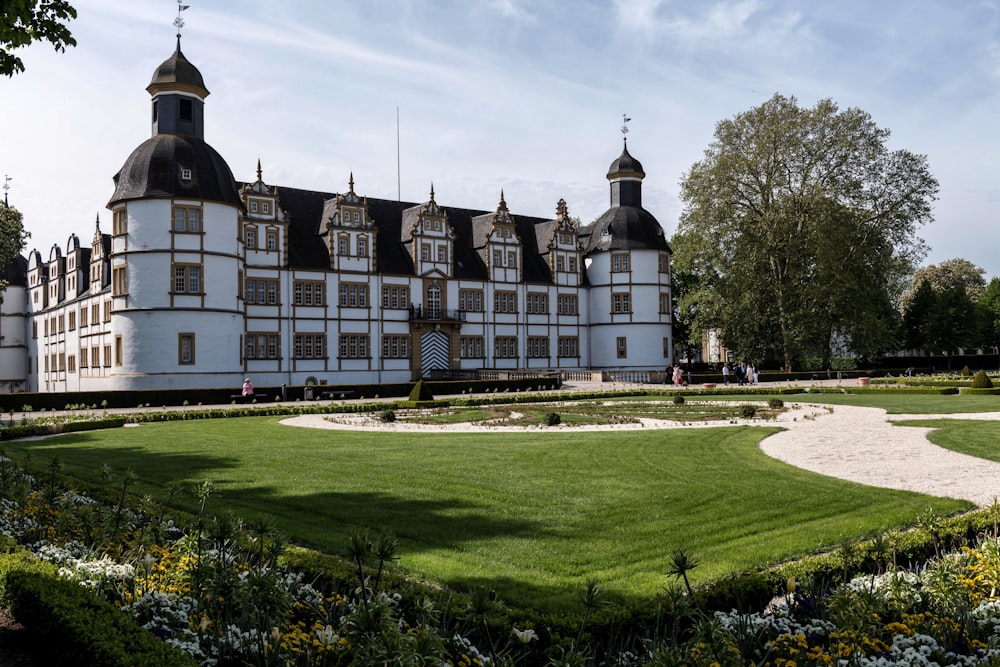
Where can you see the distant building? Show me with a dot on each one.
(203, 281)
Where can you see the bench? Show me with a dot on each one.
(337, 395)
(240, 398)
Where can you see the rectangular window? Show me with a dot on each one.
(119, 280)
(538, 347)
(505, 347)
(665, 302)
(666, 347)
(342, 246)
(119, 350)
(663, 263)
(95, 313)
(272, 241)
(72, 320)
(442, 254)
(185, 349)
(621, 302)
(310, 346)
(572, 264)
(353, 295)
(187, 279)
(425, 252)
(83, 316)
(619, 262)
(395, 296)
(568, 346)
(95, 356)
(84, 357)
(362, 247)
(622, 347)
(119, 224)
(497, 258)
(253, 207)
(470, 300)
(107, 356)
(504, 302)
(568, 304)
(62, 323)
(261, 346)
(308, 292)
(559, 263)
(354, 346)
(251, 239)
(395, 346)
(107, 310)
(538, 303)
(62, 362)
(471, 347)
(512, 259)
(267, 208)
(187, 220)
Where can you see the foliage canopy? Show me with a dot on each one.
(13, 238)
(25, 21)
(799, 225)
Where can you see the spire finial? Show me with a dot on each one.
(6, 187)
(179, 22)
(432, 190)
(625, 120)
(350, 182)
(259, 180)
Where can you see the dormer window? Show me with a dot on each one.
(185, 174)
(253, 207)
(266, 207)
(357, 217)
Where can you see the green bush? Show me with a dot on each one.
(678, 399)
(966, 373)
(775, 403)
(748, 411)
(981, 380)
(421, 392)
(553, 419)
(387, 416)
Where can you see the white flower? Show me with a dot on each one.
(327, 637)
(525, 636)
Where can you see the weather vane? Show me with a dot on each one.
(179, 22)
(6, 186)
(625, 120)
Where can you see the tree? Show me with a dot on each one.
(950, 273)
(13, 238)
(800, 224)
(25, 21)
(989, 307)
(917, 316)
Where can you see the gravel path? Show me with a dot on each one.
(856, 444)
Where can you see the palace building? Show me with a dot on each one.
(202, 280)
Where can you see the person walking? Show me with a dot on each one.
(725, 374)
(247, 390)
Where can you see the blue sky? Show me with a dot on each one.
(515, 95)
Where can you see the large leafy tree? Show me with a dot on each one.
(951, 273)
(800, 224)
(13, 238)
(989, 305)
(25, 21)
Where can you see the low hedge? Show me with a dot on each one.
(992, 391)
(939, 391)
(73, 626)
(56, 427)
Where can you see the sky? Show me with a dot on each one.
(526, 97)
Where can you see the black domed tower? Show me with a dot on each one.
(628, 268)
(176, 161)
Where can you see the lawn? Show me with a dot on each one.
(892, 403)
(532, 515)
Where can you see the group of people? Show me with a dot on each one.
(746, 374)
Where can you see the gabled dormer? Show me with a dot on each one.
(264, 227)
(564, 251)
(38, 279)
(497, 241)
(77, 268)
(429, 238)
(56, 272)
(350, 232)
(100, 260)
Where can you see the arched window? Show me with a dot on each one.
(433, 310)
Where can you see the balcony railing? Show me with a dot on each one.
(436, 314)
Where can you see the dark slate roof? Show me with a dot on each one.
(16, 272)
(307, 247)
(625, 165)
(154, 170)
(178, 70)
(624, 228)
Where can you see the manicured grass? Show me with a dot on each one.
(979, 438)
(532, 515)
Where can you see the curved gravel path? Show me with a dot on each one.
(852, 443)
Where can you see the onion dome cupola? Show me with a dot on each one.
(176, 161)
(626, 225)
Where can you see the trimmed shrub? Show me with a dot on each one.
(775, 403)
(553, 419)
(678, 399)
(981, 380)
(966, 373)
(421, 392)
(387, 416)
(748, 411)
